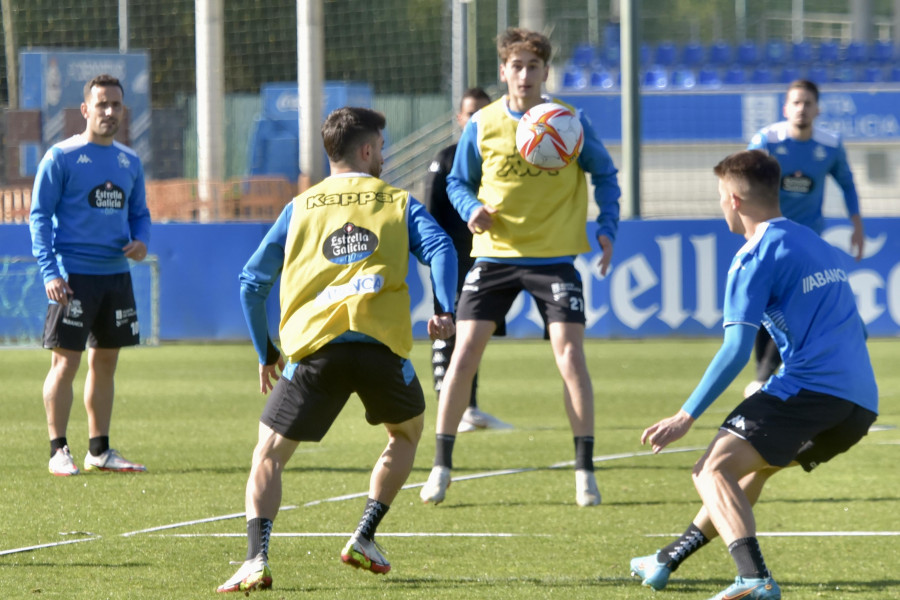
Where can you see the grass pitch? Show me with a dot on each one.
(190, 413)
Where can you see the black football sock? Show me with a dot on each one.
(443, 450)
(584, 452)
(748, 558)
(675, 553)
(259, 530)
(371, 518)
(98, 445)
(57, 444)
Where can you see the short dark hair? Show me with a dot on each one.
(805, 84)
(515, 39)
(757, 170)
(476, 93)
(347, 128)
(103, 80)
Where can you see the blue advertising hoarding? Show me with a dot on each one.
(667, 279)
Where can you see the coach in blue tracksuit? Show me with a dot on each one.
(807, 155)
(88, 217)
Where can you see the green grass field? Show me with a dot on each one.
(190, 413)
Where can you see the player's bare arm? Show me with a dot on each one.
(268, 375)
(482, 219)
(669, 430)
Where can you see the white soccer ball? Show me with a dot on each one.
(549, 136)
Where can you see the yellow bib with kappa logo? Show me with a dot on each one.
(345, 265)
(539, 213)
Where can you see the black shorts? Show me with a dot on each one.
(101, 312)
(810, 428)
(304, 407)
(491, 288)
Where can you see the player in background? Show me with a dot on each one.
(438, 204)
(342, 250)
(529, 225)
(819, 405)
(88, 218)
(807, 155)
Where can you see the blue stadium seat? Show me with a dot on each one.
(574, 79)
(882, 51)
(610, 56)
(708, 76)
(788, 74)
(646, 55)
(894, 73)
(656, 78)
(683, 79)
(583, 55)
(828, 52)
(762, 75)
(602, 79)
(692, 55)
(666, 54)
(873, 74)
(843, 73)
(775, 53)
(855, 52)
(720, 54)
(735, 75)
(748, 54)
(818, 74)
(801, 52)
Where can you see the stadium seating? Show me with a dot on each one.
(735, 75)
(801, 52)
(671, 65)
(683, 78)
(602, 79)
(855, 53)
(748, 54)
(788, 74)
(666, 54)
(692, 55)
(709, 77)
(873, 74)
(828, 52)
(720, 54)
(882, 52)
(583, 56)
(818, 74)
(656, 78)
(762, 75)
(775, 53)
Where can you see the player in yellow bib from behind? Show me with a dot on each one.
(342, 251)
(529, 225)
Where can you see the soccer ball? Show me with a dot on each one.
(549, 136)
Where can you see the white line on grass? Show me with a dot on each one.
(805, 534)
(194, 522)
(345, 534)
(50, 545)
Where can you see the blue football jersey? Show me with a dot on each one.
(791, 280)
(88, 202)
(804, 168)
